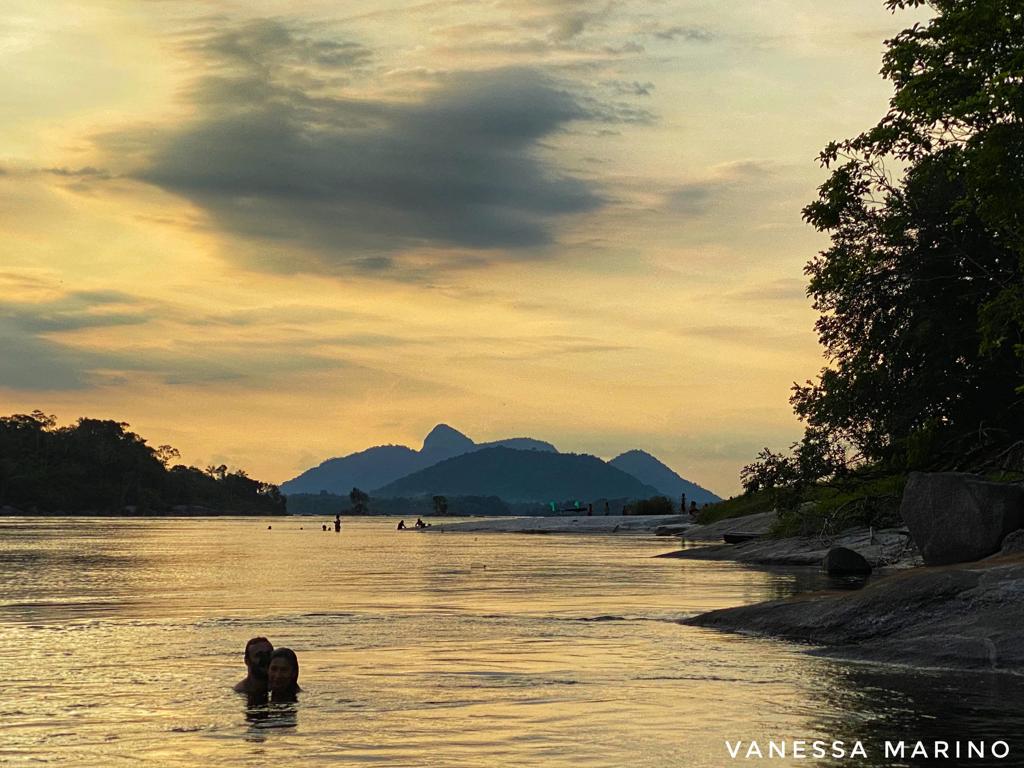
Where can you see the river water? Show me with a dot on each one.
(122, 638)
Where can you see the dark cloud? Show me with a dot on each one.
(624, 49)
(30, 362)
(36, 357)
(634, 88)
(561, 21)
(691, 34)
(87, 172)
(72, 312)
(266, 44)
(272, 158)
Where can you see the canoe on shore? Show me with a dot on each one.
(738, 537)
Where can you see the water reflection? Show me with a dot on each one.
(561, 651)
(262, 714)
(878, 705)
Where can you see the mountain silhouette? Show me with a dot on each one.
(649, 470)
(382, 464)
(443, 442)
(516, 475)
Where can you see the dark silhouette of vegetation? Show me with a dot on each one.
(100, 467)
(656, 505)
(360, 501)
(440, 505)
(921, 292)
(464, 506)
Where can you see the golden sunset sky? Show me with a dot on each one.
(269, 233)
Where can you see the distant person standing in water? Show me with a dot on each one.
(257, 658)
(337, 523)
(283, 675)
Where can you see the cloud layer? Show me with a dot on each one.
(276, 152)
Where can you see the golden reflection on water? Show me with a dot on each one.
(123, 637)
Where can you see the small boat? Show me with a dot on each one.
(738, 537)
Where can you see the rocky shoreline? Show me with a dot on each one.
(965, 616)
(886, 548)
(958, 602)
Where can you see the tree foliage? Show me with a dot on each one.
(921, 291)
(100, 466)
(360, 501)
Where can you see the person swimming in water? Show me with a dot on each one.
(257, 658)
(283, 675)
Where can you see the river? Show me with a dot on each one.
(122, 639)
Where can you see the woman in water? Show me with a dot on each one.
(283, 675)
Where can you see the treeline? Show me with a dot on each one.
(921, 292)
(330, 504)
(100, 467)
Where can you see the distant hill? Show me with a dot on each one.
(378, 466)
(649, 470)
(516, 475)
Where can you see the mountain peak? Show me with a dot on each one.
(445, 440)
(637, 453)
(649, 469)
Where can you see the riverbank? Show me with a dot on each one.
(561, 524)
(887, 548)
(965, 616)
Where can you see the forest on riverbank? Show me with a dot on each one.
(100, 467)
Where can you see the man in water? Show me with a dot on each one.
(257, 658)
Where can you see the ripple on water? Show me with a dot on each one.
(562, 651)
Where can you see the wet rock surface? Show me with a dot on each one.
(890, 547)
(960, 616)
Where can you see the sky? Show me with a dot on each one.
(270, 233)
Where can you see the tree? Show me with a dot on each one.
(360, 501)
(440, 505)
(921, 292)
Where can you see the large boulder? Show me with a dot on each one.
(1014, 542)
(955, 517)
(843, 561)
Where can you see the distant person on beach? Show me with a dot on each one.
(420, 523)
(283, 675)
(257, 658)
(337, 523)
(693, 508)
(401, 525)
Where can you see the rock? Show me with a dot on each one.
(842, 561)
(959, 616)
(956, 517)
(1014, 542)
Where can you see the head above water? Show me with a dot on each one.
(257, 656)
(283, 672)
